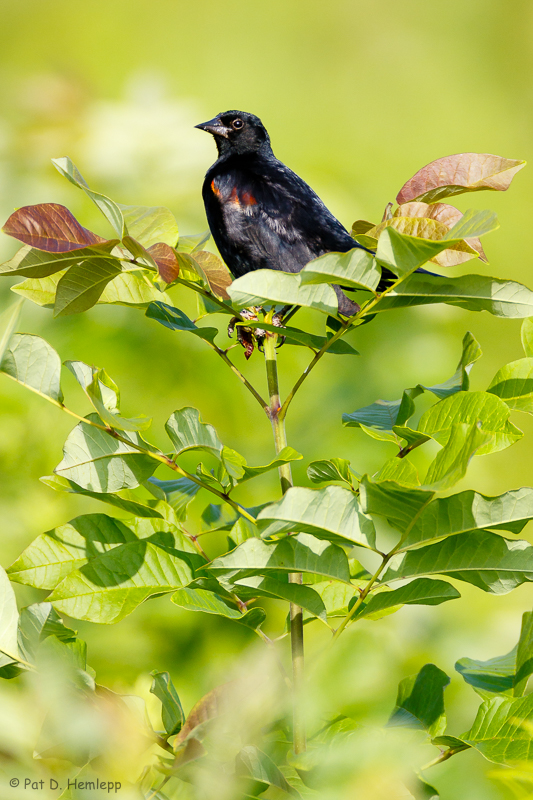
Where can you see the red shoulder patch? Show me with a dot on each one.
(216, 190)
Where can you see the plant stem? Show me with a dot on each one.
(439, 760)
(224, 356)
(296, 616)
(360, 600)
(163, 459)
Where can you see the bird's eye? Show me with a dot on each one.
(237, 124)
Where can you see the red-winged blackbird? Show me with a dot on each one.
(260, 213)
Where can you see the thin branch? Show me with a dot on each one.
(351, 322)
(163, 459)
(209, 296)
(439, 760)
(223, 355)
(360, 600)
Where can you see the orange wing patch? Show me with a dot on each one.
(248, 199)
(245, 199)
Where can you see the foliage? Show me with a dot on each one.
(298, 550)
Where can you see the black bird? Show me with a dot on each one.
(260, 213)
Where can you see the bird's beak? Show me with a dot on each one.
(214, 126)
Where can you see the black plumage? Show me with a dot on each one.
(260, 213)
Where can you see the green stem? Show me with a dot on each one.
(223, 355)
(439, 760)
(156, 456)
(296, 615)
(360, 600)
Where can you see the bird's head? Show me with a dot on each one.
(237, 132)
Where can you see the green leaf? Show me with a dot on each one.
(9, 620)
(337, 469)
(81, 286)
(56, 553)
(109, 209)
(300, 553)
(112, 584)
(503, 730)
(483, 559)
(469, 408)
(103, 393)
(178, 493)
(31, 361)
(385, 419)
(335, 596)
(469, 511)
(403, 254)
(422, 790)
(132, 506)
(100, 463)
(332, 513)
(527, 336)
(8, 322)
(253, 762)
(188, 432)
(379, 419)
(172, 711)
(420, 701)
(504, 675)
(495, 676)
(451, 463)
(399, 470)
(210, 603)
(41, 291)
(460, 379)
(193, 242)
(298, 337)
(36, 623)
(131, 289)
(150, 224)
(33, 263)
(506, 299)
(400, 505)
(139, 253)
(420, 592)
(176, 320)
(524, 655)
(355, 268)
(473, 224)
(513, 383)
(303, 596)
(272, 286)
(285, 456)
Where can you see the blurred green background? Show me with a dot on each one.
(357, 97)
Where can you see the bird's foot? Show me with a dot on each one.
(248, 337)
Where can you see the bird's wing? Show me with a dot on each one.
(275, 218)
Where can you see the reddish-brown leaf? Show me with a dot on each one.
(50, 227)
(448, 216)
(165, 258)
(464, 172)
(206, 709)
(428, 229)
(209, 267)
(216, 272)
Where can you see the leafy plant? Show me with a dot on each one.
(297, 549)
